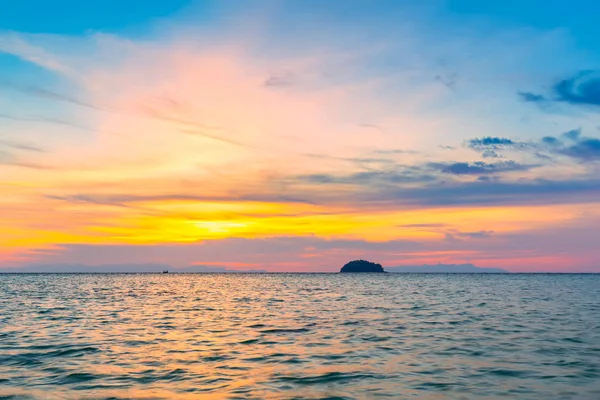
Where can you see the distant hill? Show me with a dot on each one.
(361, 266)
(447, 268)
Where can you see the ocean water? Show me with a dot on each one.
(299, 336)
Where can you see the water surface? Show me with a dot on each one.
(303, 336)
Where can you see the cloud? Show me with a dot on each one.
(490, 142)
(585, 149)
(9, 159)
(573, 134)
(19, 46)
(497, 193)
(491, 154)
(577, 147)
(457, 235)
(488, 190)
(480, 167)
(279, 79)
(122, 199)
(491, 146)
(44, 93)
(551, 141)
(21, 146)
(532, 97)
(581, 89)
(369, 178)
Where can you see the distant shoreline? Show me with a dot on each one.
(295, 273)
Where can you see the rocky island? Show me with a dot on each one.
(361, 266)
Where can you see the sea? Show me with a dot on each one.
(300, 336)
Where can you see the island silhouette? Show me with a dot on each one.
(361, 266)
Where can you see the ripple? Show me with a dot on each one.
(285, 330)
(76, 377)
(330, 377)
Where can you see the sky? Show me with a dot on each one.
(299, 135)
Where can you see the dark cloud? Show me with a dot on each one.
(532, 97)
(573, 134)
(577, 147)
(582, 89)
(551, 141)
(571, 144)
(370, 178)
(485, 178)
(378, 189)
(491, 154)
(491, 146)
(586, 149)
(537, 191)
(480, 167)
(489, 141)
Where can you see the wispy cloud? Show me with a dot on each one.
(44, 93)
(21, 146)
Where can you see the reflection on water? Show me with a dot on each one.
(300, 336)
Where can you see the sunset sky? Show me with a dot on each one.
(299, 135)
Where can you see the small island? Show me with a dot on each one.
(361, 266)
